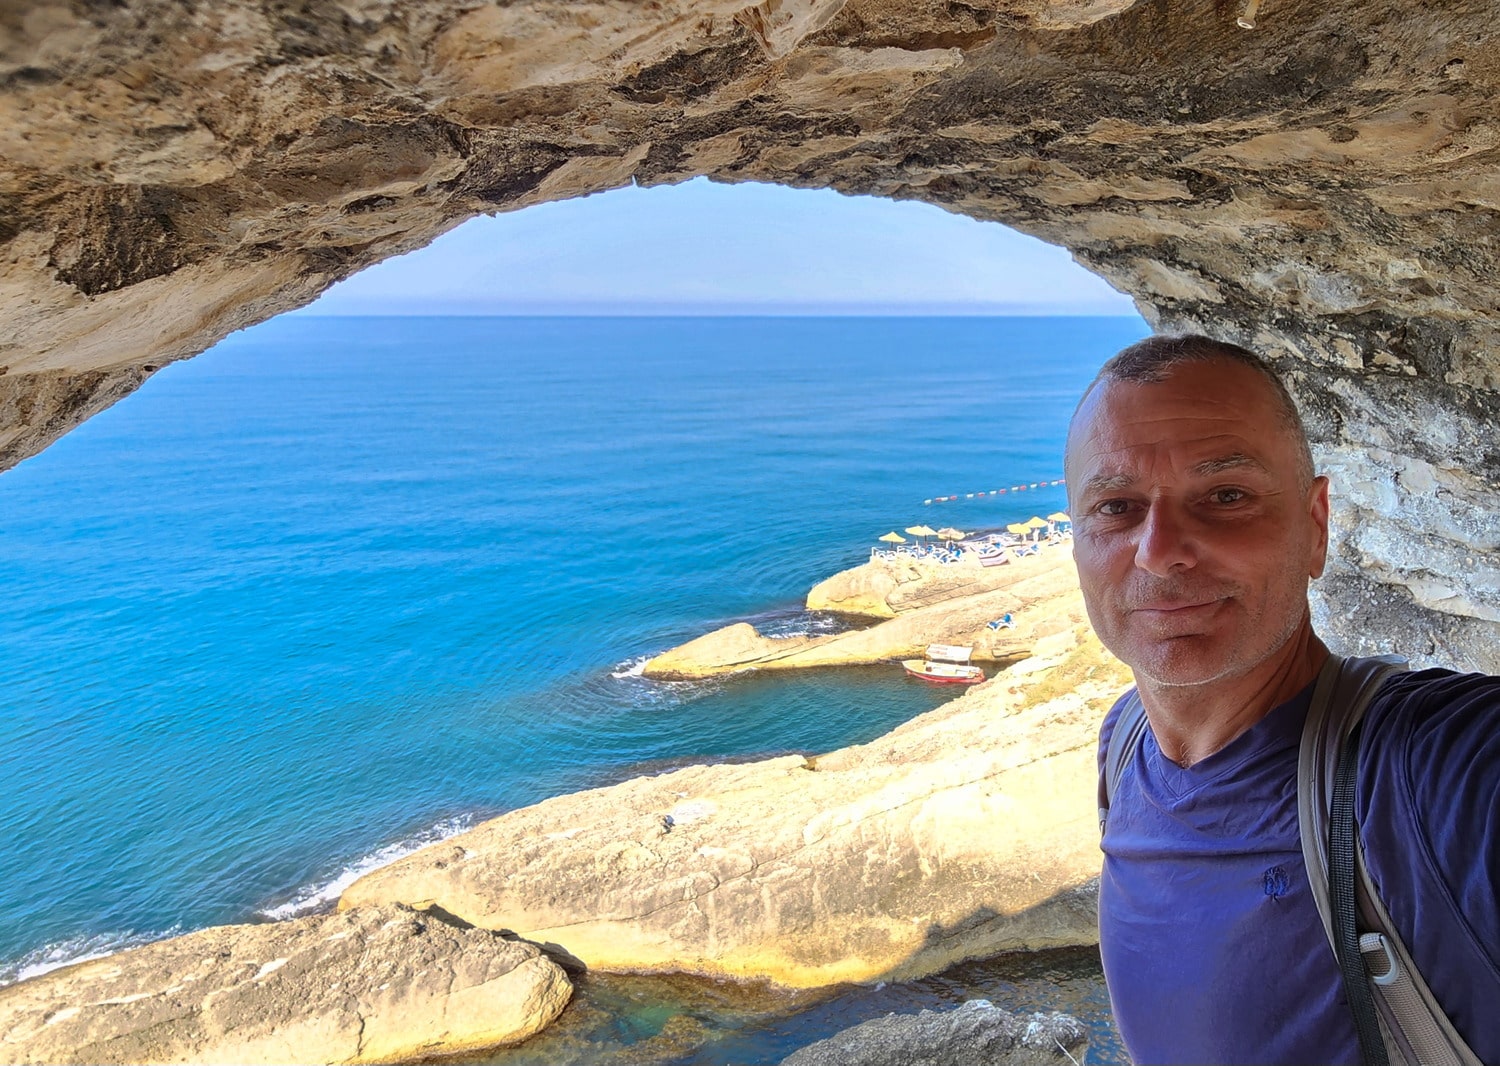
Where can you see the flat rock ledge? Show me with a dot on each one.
(975, 1034)
(917, 603)
(968, 831)
(377, 984)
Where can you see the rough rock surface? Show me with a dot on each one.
(975, 1034)
(925, 603)
(369, 985)
(1325, 187)
(968, 831)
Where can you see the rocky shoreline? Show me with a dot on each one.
(966, 832)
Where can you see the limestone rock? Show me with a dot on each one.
(862, 590)
(369, 985)
(975, 1034)
(734, 647)
(1323, 188)
(926, 603)
(968, 831)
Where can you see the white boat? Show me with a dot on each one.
(945, 664)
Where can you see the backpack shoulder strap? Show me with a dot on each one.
(1130, 723)
(1415, 1028)
(1340, 695)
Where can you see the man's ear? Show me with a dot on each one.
(1317, 508)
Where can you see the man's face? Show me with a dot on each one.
(1193, 537)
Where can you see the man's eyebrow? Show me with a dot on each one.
(1234, 461)
(1101, 483)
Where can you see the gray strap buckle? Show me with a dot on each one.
(1369, 944)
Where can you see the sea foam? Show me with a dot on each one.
(321, 894)
(84, 948)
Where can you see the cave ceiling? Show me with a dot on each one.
(1324, 187)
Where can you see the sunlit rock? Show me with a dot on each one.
(1000, 612)
(371, 985)
(968, 831)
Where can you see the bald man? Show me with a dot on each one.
(1199, 523)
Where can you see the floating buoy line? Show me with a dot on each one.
(997, 492)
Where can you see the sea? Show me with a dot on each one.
(341, 587)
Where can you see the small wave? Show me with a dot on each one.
(647, 691)
(800, 624)
(84, 948)
(320, 895)
(631, 667)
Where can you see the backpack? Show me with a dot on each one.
(1396, 1016)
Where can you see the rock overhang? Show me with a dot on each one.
(1325, 188)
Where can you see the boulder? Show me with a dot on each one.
(975, 1034)
(968, 831)
(862, 590)
(370, 985)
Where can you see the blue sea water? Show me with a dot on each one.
(341, 586)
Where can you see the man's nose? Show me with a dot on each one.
(1164, 542)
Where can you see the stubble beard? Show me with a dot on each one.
(1151, 659)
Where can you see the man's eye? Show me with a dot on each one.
(1112, 507)
(1227, 495)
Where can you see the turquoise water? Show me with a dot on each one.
(341, 586)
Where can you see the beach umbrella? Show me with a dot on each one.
(1058, 516)
(949, 533)
(893, 538)
(922, 531)
(1036, 523)
(1020, 529)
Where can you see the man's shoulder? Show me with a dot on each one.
(1430, 707)
(1429, 773)
(1429, 736)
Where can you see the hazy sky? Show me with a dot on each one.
(701, 247)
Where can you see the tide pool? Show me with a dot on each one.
(342, 586)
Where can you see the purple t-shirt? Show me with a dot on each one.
(1212, 944)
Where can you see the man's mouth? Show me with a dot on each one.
(1174, 606)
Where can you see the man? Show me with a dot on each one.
(1198, 524)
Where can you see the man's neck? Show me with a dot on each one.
(1191, 722)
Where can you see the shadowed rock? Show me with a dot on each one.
(975, 1034)
(370, 985)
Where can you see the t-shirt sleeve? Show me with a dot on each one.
(1429, 800)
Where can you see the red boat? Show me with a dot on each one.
(946, 664)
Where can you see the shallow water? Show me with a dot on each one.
(677, 1021)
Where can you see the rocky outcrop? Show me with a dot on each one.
(1324, 188)
(968, 831)
(975, 1034)
(888, 586)
(923, 603)
(377, 984)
